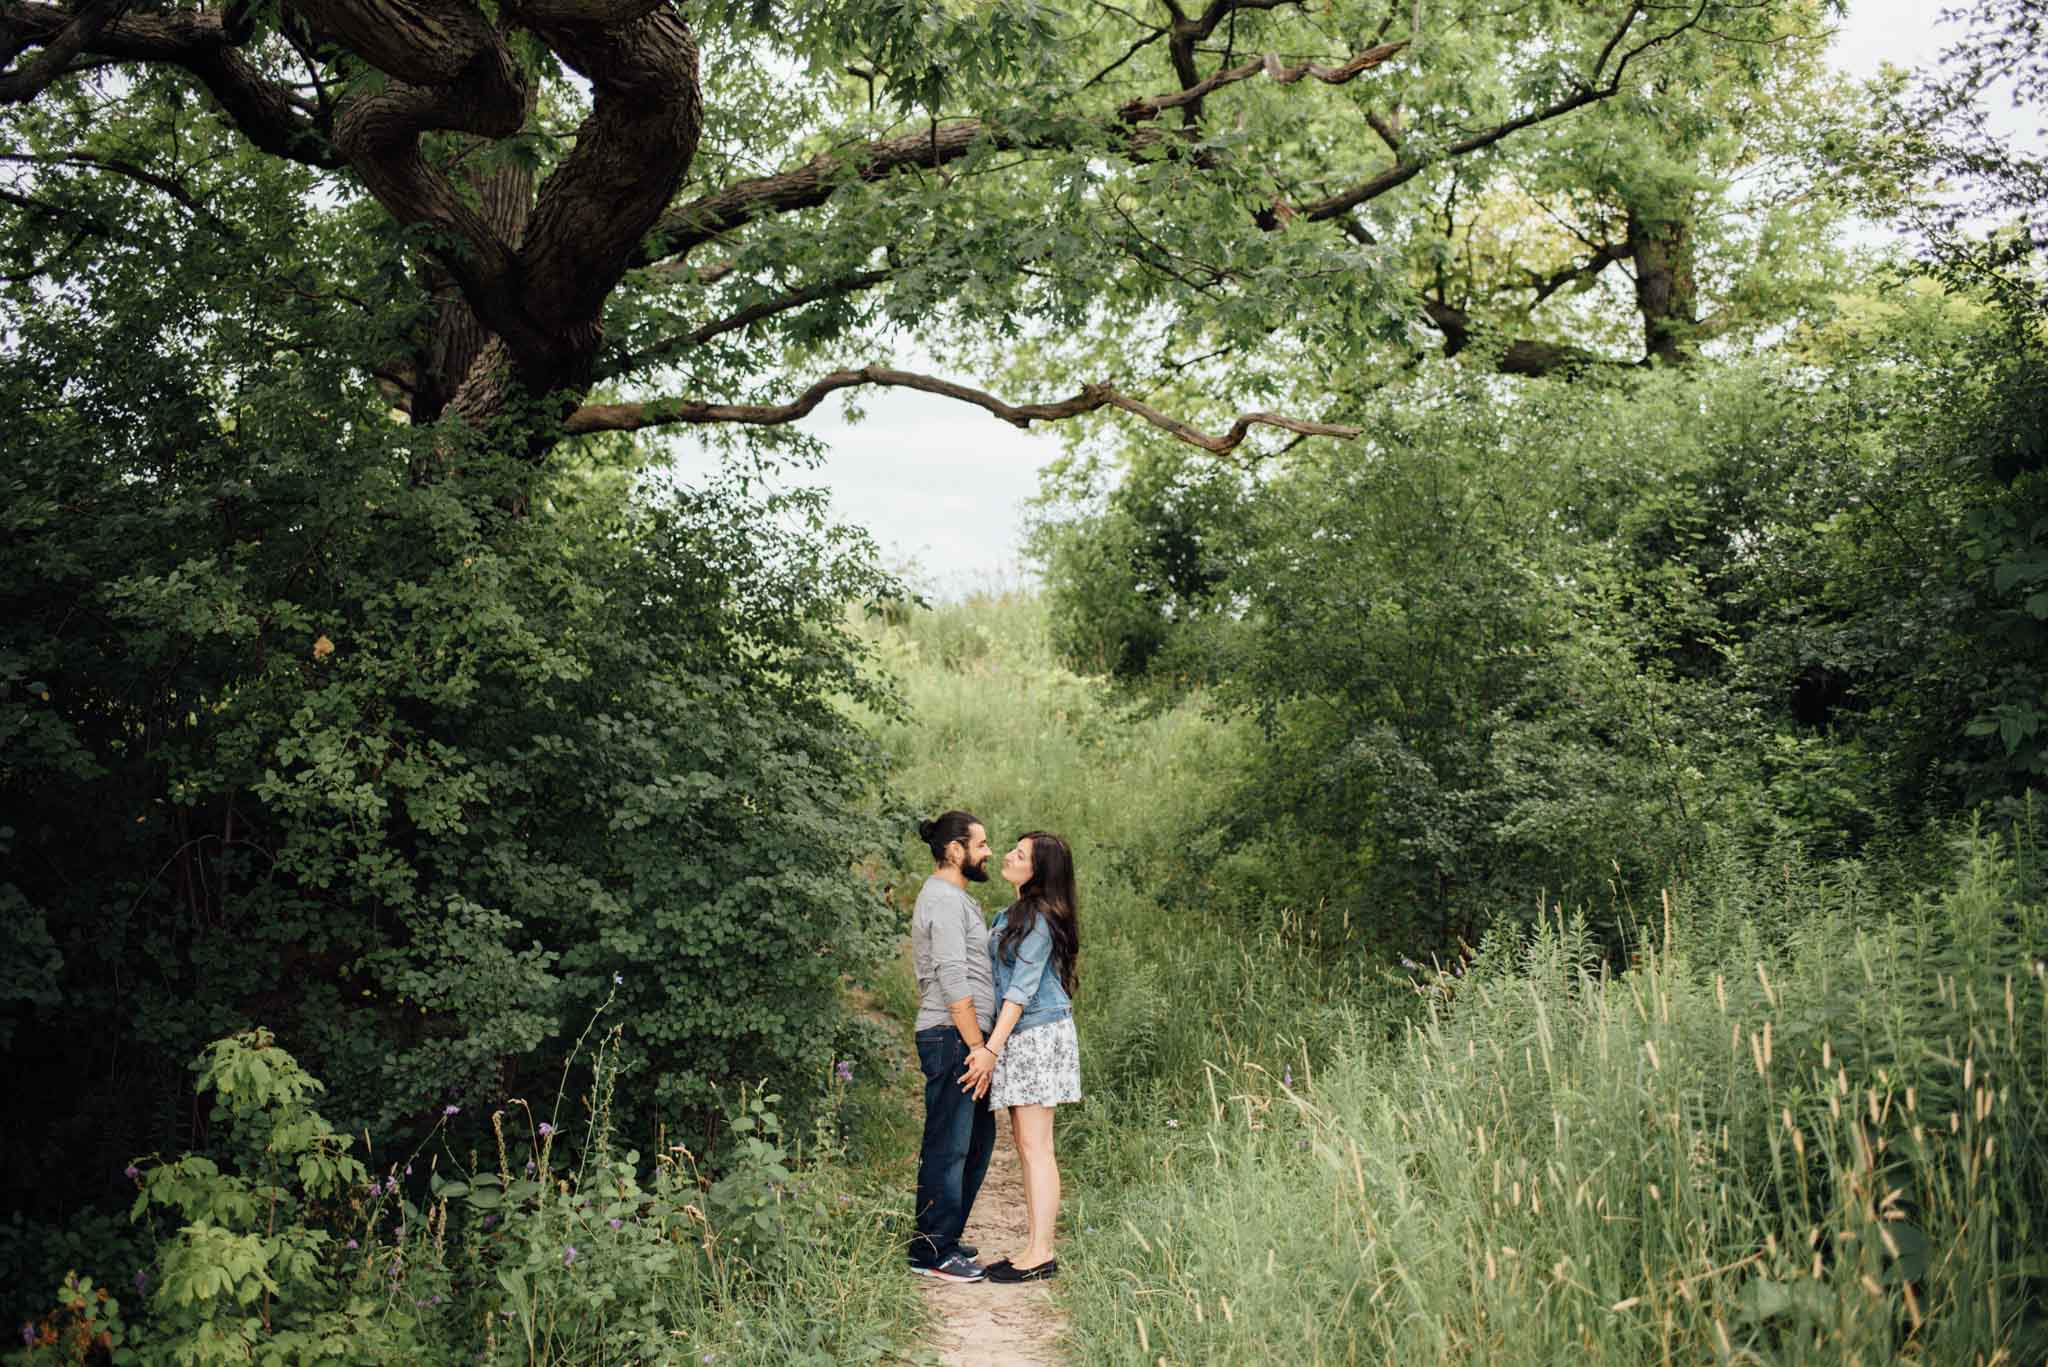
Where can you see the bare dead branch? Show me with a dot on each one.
(632, 417)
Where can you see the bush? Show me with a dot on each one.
(294, 738)
(291, 1251)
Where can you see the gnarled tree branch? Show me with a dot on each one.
(630, 156)
(813, 183)
(632, 417)
(17, 87)
(270, 116)
(448, 71)
(817, 180)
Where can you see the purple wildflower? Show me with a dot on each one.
(569, 1256)
(408, 1169)
(844, 1070)
(141, 1283)
(451, 1110)
(132, 1173)
(1287, 1078)
(351, 1244)
(28, 1334)
(618, 980)
(529, 1167)
(488, 1221)
(546, 1129)
(617, 1223)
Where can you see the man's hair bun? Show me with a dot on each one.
(944, 829)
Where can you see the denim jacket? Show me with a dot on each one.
(1029, 977)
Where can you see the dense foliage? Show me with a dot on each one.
(407, 769)
(1568, 635)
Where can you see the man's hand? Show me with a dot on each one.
(981, 1063)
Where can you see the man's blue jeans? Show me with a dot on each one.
(959, 1136)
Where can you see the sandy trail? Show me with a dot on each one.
(985, 1324)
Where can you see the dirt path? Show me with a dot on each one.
(987, 1325)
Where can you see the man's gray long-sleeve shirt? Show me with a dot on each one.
(949, 949)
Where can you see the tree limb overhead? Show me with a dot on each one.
(632, 417)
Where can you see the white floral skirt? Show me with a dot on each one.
(1039, 1067)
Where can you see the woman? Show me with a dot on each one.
(1032, 950)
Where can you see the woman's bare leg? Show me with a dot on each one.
(1030, 1209)
(1031, 1129)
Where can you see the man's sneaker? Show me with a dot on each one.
(954, 1269)
(967, 1251)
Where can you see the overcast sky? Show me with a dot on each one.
(942, 486)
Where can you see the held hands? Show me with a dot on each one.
(981, 1063)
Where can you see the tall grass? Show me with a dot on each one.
(1830, 1152)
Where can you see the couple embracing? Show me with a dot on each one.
(995, 1028)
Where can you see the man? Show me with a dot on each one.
(956, 1007)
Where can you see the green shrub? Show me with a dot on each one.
(290, 1251)
(411, 781)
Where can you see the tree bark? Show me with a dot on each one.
(1667, 291)
(1525, 356)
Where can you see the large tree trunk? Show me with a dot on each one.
(520, 273)
(1667, 293)
(458, 337)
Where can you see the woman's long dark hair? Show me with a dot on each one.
(1049, 893)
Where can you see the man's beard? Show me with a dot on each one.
(975, 873)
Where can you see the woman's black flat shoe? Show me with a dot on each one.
(1007, 1271)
